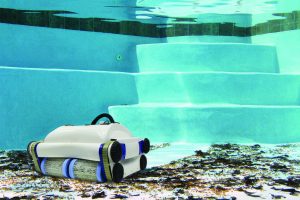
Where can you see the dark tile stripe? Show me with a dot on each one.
(45, 18)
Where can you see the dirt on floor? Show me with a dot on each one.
(224, 171)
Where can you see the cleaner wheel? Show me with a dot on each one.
(28, 148)
(116, 151)
(143, 162)
(146, 146)
(117, 173)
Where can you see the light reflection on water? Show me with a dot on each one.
(159, 13)
(150, 10)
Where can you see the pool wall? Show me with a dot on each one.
(52, 77)
(37, 47)
(33, 102)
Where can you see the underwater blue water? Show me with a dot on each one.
(172, 71)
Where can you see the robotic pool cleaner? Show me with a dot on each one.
(97, 152)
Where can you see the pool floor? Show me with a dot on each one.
(219, 171)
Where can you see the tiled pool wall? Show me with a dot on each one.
(80, 42)
(207, 24)
(40, 47)
(85, 49)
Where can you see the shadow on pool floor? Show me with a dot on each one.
(223, 171)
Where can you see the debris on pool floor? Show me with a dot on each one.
(224, 171)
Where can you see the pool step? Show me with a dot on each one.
(197, 57)
(211, 123)
(35, 101)
(211, 87)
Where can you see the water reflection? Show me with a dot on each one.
(159, 18)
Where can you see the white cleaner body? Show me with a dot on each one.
(116, 152)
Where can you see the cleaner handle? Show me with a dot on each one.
(108, 116)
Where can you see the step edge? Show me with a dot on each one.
(61, 70)
(214, 73)
(200, 106)
(207, 44)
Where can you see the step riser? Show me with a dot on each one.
(197, 88)
(34, 102)
(206, 57)
(231, 124)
